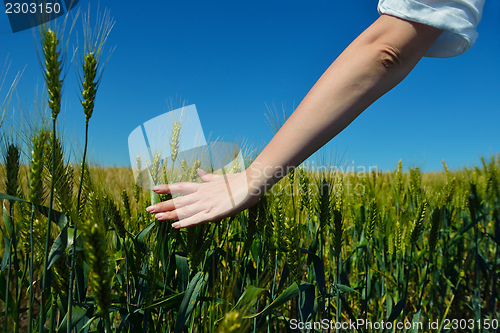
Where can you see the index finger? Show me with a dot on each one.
(183, 188)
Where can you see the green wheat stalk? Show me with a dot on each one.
(417, 231)
(53, 64)
(35, 196)
(436, 217)
(97, 258)
(90, 78)
(11, 185)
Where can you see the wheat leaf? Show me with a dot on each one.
(58, 247)
(189, 301)
(396, 311)
(76, 315)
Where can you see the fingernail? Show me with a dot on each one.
(150, 209)
(155, 188)
(159, 215)
(175, 225)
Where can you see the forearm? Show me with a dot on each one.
(374, 63)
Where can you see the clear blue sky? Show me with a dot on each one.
(230, 58)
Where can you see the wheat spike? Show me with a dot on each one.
(339, 192)
(372, 219)
(338, 232)
(436, 218)
(419, 223)
(12, 165)
(89, 84)
(175, 141)
(36, 167)
(399, 179)
(126, 205)
(94, 234)
(324, 203)
(293, 254)
(53, 68)
(138, 180)
(63, 175)
(398, 237)
(114, 214)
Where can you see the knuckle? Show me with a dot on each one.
(182, 187)
(183, 212)
(177, 202)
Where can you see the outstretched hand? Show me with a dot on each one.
(219, 196)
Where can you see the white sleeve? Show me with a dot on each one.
(458, 19)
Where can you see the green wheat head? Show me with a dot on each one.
(493, 181)
(126, 205)
(53, 68)
(303, 181)
(87, 188)
(279, 225)
(419, 223)
(36, 188)
(415, 184)
(138, 180)
(293, 255)
(436, 218)
(399, 179)
(398, 241)
(156, 168)
(325, 203)
(63, 175)
(89, 84)
(12, 166)
(113, 214)
(372, 217)
(338, 232)
(339, 192)
(175, 142)
(94, 234)
(91, 67)
(449, 192)
(60, 275)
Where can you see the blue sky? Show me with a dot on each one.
(233, 58)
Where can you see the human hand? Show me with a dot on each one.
(219, 196)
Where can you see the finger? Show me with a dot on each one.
(171, 204)
(199, 218)
(184, 188)
(179, 213)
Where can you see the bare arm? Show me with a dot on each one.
(370, 66)
(373, 64)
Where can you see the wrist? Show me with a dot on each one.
(261, 177)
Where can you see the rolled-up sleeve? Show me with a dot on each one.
(457, 18)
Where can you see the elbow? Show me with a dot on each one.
(389, 56)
